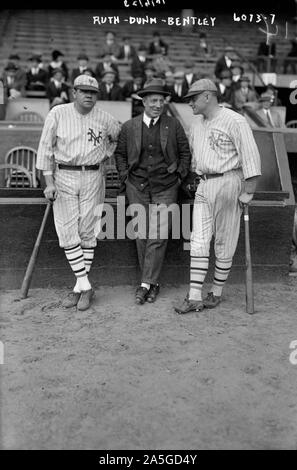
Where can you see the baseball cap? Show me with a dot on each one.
(204, 84)
(85, 82)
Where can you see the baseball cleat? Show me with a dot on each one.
(189, 306)
(71, 300)
(141, 295)
(85, 299)
(153, 293)
(211, 300)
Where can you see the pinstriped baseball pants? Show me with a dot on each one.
(217, 212)
(80, 193)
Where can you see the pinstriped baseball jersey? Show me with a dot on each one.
(76, 139)
(224, 143)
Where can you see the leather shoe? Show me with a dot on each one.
(141, 295)
(71, 300)
(85, 299)
(153, 292)
(190, 306)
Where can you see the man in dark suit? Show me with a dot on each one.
(224, 88)
(108, 89)
(225, 61)
(157, 46)
(139, 62)
(130, 90)
(179, 88)
(57, 90)
(58, 63)
(13, 87)
(106, 64)
(127, 51)
(83, 64)
(152, 158)
(37, 77)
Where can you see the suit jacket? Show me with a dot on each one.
(220, 66)
(225, 97)
(132, 53)
(100, 69)
(174, 145)
(53, 92)
(276, 118)
(153, 49)
(138, 67)
(63, 67)
(194, 78)
(41, 76)
(174, 96)
(19, 82)
(128, 89)
(76, 72)
(114, 95)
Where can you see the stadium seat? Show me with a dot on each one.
(14, 171)
(29, 116)
(26, 158)
(292, 124)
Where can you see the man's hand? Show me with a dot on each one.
(245, 198)
(50, 192)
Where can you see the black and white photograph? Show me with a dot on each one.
(148, 236)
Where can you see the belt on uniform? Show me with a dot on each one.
(207, 176)
(78, 167)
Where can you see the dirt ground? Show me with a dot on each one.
(120, 376)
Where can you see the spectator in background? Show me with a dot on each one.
(14, 82)
(10, 87)
(157, 46)
(179, 89)
(106, 64)
(270, 116)
(110, 46)
(272, 91)
(149, 73)
(57, 90)
(139, 62)
(89, 72)
(244, 96)
(58, 63)
(83, 64)
(37, 77)
(190, 76)
(224, 88)
(265, 53)
(225, 61)
(162, 64)
(237, 72)
(291, 59)
(169, 79)
(129, 91)
(109, 90)
(126, 51)
(20, 78)
(204, 47)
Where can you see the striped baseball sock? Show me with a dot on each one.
(75, 258)
(88, 257)
(222, 269)
(198, 270)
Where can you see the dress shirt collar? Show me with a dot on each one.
(146, 119)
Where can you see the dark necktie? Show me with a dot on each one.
(151, 123)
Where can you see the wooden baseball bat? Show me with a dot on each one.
(32, 261)
(248, 261)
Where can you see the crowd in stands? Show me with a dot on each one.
(147, 61)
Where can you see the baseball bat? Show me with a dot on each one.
(32, 261)
(248, 261)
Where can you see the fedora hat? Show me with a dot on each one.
(152, 87)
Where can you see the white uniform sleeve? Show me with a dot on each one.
(247, 149)
(45, 152)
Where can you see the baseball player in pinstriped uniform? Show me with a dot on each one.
(75, 140)
(225, 155)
